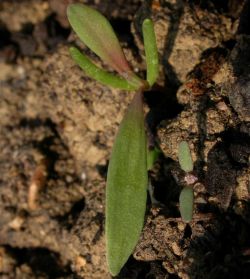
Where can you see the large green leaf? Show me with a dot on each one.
(97, 33)
(126, 187)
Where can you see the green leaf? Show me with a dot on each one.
(99, 74)
(126, 187)
(150, 50)
(185, 158)
(97, 33)
(186, 204)
(152, 156)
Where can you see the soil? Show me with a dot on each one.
(58, 127)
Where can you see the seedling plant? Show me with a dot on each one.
(186, 198)
(127, 178)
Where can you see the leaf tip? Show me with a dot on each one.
(147, 21)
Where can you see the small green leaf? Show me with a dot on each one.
(150, 50)
(152, 156)
(99, 74)
(126, 191)
(97, 33)
(187, 204)
(185, 158)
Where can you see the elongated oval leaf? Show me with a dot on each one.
(126, 187)
(185, 158)
(97, 33)
(150, 51)
(187, 204)
(99, 74)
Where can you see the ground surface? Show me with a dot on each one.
(58, 127)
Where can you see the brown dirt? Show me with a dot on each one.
(58, 127)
